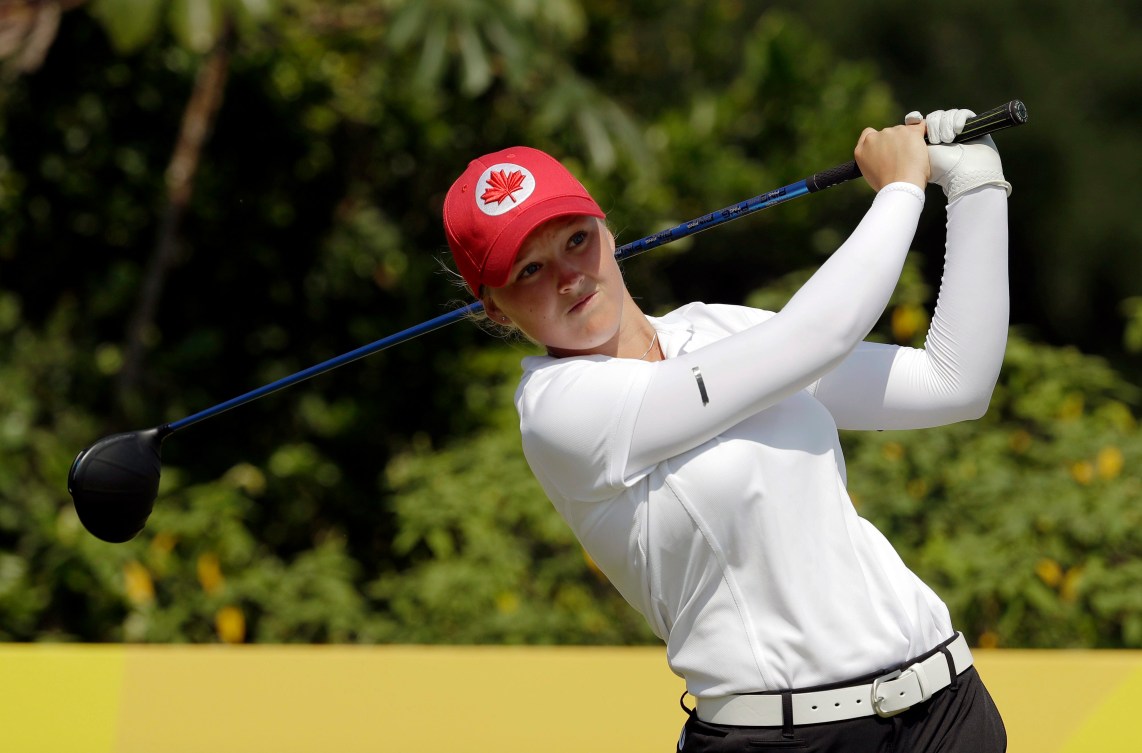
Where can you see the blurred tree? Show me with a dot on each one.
(389, 501)
(201, 29)
(27, 29)
(291, 167)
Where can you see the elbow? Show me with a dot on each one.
(971, 405)
(965, 385)
(833, 343)
(950, 412)
(977, 409)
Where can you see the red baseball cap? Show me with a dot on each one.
(498, 201)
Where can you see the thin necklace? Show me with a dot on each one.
(650, 347)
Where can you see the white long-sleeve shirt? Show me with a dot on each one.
(710, 487)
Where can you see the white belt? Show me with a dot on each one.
(887, 695)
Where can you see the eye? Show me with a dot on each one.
(578, 238)
(528, 270)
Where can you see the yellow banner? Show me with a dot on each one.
(343, 699)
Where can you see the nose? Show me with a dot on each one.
(567, 276)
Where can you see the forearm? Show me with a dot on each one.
(953, 376)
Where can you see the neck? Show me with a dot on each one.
(633, 340)
(637, 337)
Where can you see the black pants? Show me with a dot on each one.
(957, 719)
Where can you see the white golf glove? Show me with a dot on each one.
(959, 167)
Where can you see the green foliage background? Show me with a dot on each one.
(389, 501)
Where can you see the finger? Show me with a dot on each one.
(962, 118)
(933, 121)
(913, 118)
(948, 126)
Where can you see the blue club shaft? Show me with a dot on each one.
(1011, 114)
(705, 222)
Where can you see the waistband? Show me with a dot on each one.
(887, 695)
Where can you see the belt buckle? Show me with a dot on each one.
(877, 698)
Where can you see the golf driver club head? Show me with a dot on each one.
(114, 483)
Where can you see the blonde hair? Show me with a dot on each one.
(479, 317)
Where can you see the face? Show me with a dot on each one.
(565, 289)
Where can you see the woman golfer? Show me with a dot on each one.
(695, 455)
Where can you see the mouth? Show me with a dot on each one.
(583, 302)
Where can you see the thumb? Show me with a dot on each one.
(942, 159)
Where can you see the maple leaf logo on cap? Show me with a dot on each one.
(503, 187)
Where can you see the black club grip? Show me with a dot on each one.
(996, 119)
(833, 176)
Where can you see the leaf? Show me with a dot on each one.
(1132, 337)
(599, 144)
(407, 24)
(434, 53)
(129, 23)
(196, 24)
(501, 186)
(474, 59)
(256, 10)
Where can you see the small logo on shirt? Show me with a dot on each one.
(503, 187)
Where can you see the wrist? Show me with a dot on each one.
(918, 179)
(904, 186)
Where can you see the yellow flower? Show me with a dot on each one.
(1072, 407)
(1082, 471)
(162, 544)
(137, 581)
(1072, 581)
(159, 553)
(893, 451)
(248, 478)
(988, 639)
(507, 603)
(209, 572)
(593, 566)
(1049, 571)
(1109, 462)
(1019, 441)
(230, 624)
(907, 319)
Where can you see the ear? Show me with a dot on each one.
(494, 312)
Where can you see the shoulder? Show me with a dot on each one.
(698, 324)
(576, 416)
(722, 315)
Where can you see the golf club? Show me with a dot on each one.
(114, 482)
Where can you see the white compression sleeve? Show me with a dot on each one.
(952, 377)
(758, 367)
